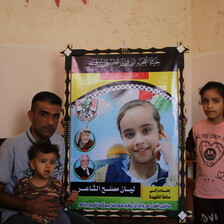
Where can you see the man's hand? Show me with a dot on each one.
(32, 216)
(44, 206)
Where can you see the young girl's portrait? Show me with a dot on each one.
(144, 137)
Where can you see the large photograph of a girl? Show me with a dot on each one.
(124, 109)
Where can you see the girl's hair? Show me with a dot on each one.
(44, 147)
(218, 86)
(137, 103)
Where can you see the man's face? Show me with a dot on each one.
(84, 162)
(44, 120)
(85, 137)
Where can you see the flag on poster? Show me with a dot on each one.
(124, 131)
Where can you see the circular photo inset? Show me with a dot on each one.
(84, 167)
(84, 140)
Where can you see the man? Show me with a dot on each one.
(84, 171)
(44, 117)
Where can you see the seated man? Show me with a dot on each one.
(14, 164)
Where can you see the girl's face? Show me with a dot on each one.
(213, 105)
(44, 164)
(140, 133)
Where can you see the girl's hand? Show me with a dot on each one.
(166, 148)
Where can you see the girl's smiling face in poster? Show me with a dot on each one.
(140, 133)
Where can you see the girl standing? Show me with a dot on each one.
(207, 138)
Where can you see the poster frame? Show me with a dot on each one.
(181, 213)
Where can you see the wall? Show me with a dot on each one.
(208, 67)
(207, 48)
(33, 34)
(98, 24)
(25, 71)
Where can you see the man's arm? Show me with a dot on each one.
(42, 205)
(9, 201)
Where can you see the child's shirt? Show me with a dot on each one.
(25, 189)
(209, 146)
(54, 188)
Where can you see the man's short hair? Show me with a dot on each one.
(82, 156)
(45, 96)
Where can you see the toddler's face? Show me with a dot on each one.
(213, 105)
(44, 164)
(140, 133)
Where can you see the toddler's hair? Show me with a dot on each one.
(44, 147)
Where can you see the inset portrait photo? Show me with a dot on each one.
(84, 167)
(84, 139)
